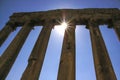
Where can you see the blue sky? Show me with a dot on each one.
(84, 58)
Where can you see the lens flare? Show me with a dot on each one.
(60, 29)
(64, 24)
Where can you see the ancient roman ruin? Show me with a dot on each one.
(92, 18)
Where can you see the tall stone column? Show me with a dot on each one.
(116, 26)
(4, 33)
(103, 66)
(67, 61)
(36, 58)
(9, 56)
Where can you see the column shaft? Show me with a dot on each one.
(9, 56)
(67, 62)
(103, 66)
(36, 58)
(4, 33)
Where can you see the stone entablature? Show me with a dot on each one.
(81, 16)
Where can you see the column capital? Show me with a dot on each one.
(11, 24)
(116, 26)
(116, 23)
(29, 22)
(72, 24)
(48, 23)
(92, 23)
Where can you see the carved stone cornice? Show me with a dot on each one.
(81, 16)
(48, 23)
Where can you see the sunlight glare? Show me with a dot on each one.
(60, 29)
(64, 24)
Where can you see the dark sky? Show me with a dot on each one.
(84, 64)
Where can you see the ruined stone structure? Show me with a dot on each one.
(92, 18)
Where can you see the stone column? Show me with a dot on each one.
(4, 33)
(36, 58)
(116, 26)
(103, 66)
(9, 56)
(67, 61)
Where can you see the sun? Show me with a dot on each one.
(64, 24)
(60, 29)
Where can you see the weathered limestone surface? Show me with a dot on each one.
(36, 58)
(67, 62)
(9, 56)
(103, 66)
